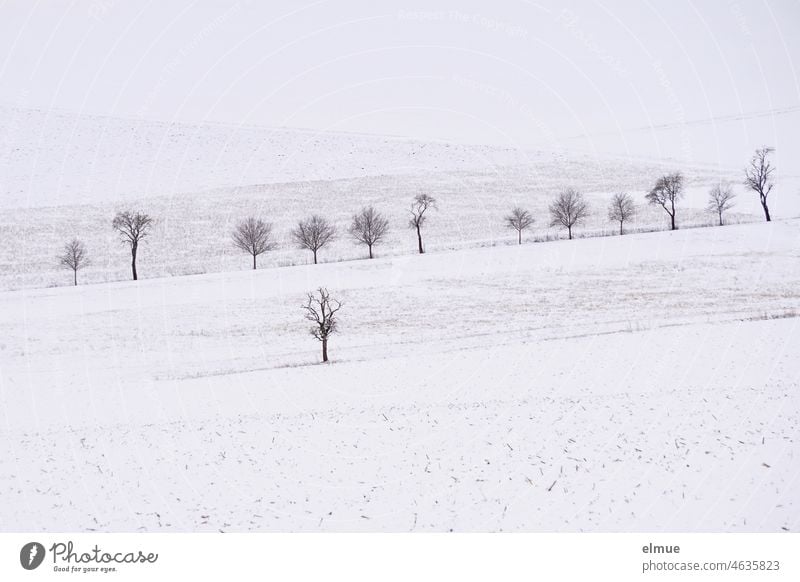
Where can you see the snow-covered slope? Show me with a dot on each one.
(646, 382)
(64, 175)
(61, 158)
(56, 158)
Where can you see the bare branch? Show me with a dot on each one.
(666, 193)
(621, 209)
(519, 220)
(321, 310)
(720, 199)
(313, 233)
(369, 227)
(253, 236)
(568, 209)
(421, 204)
(132, 227)
(758, 177)
(74, 257)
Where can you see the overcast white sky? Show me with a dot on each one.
(511, 72)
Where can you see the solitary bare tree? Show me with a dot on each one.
(369, 227)
(568, 209)
(253, 236)
(621, 209)
(313, 233)
(666, 193)
(321, 310)
(132, 227)
(519, 220)
(720, 199)
(758, 177)
(74, 256)
(420, 205)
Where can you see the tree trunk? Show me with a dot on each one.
(325, 350)
(766, 209)
(133, 263)
(620, 228)
(672, 220)
(419, 241)
(672, 202)
(569, 232)
(720, 217)
(519, 238)
(315, 256)
(75, 276)
(370, 251)
(254, 262)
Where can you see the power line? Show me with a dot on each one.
(696, 122)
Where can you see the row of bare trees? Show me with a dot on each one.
(570, 209)
(133, 228)
(758, 178)
(370, 227)
(669, 190)
(254, 236)
(567, 210)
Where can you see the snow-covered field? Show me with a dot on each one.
(66, 175)
(54, 158)
(640, 383)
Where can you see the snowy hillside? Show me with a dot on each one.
(55, 158)
(640, 383)
(66, 175)
(62, 158)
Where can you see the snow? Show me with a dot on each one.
(67, 175)
(58, 158)
(640, 383)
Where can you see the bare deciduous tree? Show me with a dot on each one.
(568, 209)
(519, 220)
(369, 227)
(621, 209)
(758, 177)
(253, 236)
(666, 193)
(74, 257)
(420, 205)
(321, 310)
(313, 233)
(720, 199)
(133, 227)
